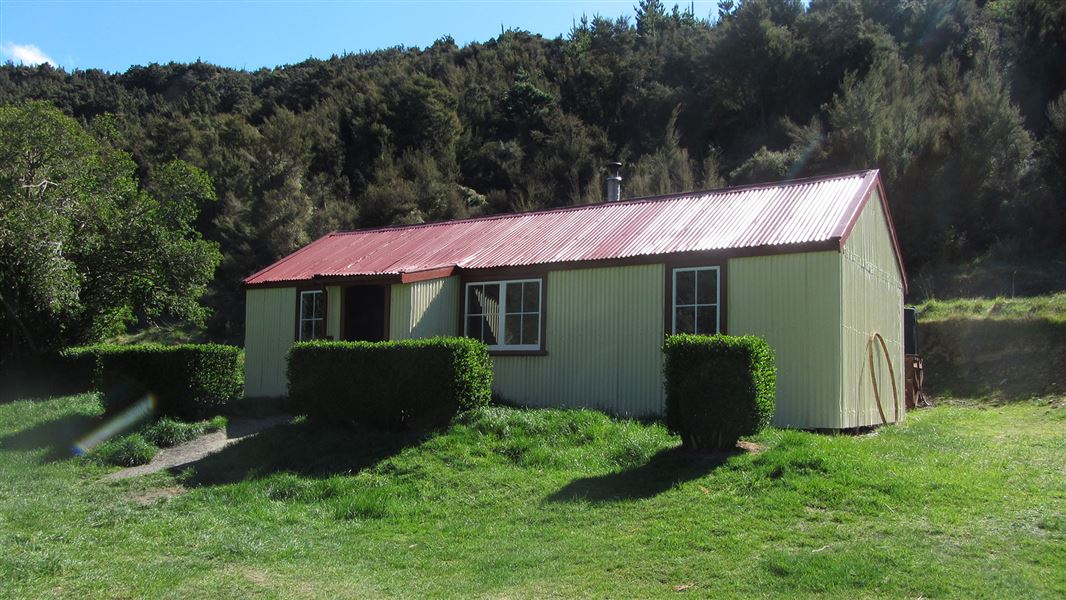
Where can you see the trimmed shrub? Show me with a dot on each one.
(408, 384)
(126, 451)
(718, 388)
(187, 381)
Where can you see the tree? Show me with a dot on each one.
(667, 170)
(85, 251)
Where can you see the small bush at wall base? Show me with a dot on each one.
(718, 388)
(408, 384)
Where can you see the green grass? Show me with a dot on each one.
(962, 501)
(168, 432)
(125, 451)
(1050, 307)
(170, 334)
(140, 447)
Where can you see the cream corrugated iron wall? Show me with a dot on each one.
(333, 311)
(604, 337)
(424, 309)
(269, 328)
(872, 302)
(793, 302)
(400, 311)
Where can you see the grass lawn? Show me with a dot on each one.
(1051, 308)
(965, 500)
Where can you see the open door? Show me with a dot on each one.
(364, 313)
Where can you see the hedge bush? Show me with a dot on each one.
(718, 388)
(187, 381)
(408, 384)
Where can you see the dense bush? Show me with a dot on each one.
(389, 385)
(718, 388)
(187, 381)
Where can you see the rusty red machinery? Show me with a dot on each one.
(914, 372)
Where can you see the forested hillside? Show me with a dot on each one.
(960, 103)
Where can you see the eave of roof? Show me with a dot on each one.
(429, 270)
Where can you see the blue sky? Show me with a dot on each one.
(112, 35)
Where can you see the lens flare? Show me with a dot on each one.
(136, 413)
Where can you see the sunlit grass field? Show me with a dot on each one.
(1051, 307)
(963, 500)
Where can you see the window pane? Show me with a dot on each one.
(530, 329)
(707, 286)
(531, 296)
(686, 287)
(490, 331)
(514, 298)
(319, 328)
(305, 330)
(686, 320)
(513, 333)
(307, 306)
(473, 327)
(707, 320)
(473, 307)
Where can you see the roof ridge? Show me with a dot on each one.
(641, 200)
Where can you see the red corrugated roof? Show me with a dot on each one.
(777, 216)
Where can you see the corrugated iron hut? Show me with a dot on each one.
(574, 302)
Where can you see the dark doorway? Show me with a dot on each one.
(364, 313)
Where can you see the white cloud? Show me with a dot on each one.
(27, 54)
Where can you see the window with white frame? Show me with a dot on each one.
(312, 324)
(696, 300)
(504, 314)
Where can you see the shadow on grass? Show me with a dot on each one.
(302, 448)
(57, 436)
(663, 471)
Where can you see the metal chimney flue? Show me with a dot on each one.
(614, 181)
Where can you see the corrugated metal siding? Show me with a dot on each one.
(873, 301)
(424, 309)
(269, 328)
(793, 302)
(400, 311)
(795, 212)
(604, 337)
(333, 311)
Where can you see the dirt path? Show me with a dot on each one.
(192, 451)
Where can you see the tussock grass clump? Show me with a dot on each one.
(372, 503)
(126, 451)
(168, 432)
